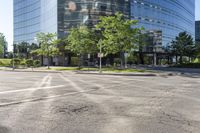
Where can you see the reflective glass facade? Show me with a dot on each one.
(197, 31)
(26, 20)
(33, 16)
(168, 16)
(48, 17)
(77, 12)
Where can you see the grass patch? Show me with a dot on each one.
(97, 69)
(73, 69)
(123, 70)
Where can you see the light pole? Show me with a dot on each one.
(100, 54)
(100, 64)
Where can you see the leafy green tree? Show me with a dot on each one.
(3, 44)
(62, 46)
(22, 49)
(119, 35)
(145, 40)
(183, 46)
(82, 40)
(48, 45)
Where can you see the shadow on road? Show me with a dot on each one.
(186, 72)
(4, 129)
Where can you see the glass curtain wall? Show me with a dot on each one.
(49, 16)
(197, 31)
(169, 16)
(86, 12)
(26, 20)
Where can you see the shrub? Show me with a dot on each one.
(74, 61)
(117, 60)
(16, 61)
(5, 62)
(29, 63)
(36, 63)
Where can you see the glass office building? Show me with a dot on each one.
(169, 16)
(197, 31)
(86, 12)
(58, 16)
(26, 20)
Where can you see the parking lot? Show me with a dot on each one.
(32, 102)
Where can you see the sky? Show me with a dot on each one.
(6, 19)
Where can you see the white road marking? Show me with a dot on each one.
(32, 89)
(44, 98)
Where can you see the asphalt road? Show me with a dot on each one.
(72, 103)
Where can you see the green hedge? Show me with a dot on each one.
(5, 62)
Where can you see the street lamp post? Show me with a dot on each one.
(100, 55)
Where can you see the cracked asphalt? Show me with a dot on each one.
(80, 103)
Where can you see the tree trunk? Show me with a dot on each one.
(176, 59)
(42, 62)
(122, 59)
(181, 59)
(69, 58)
(168, 60)
(141, 58)
(48, 62)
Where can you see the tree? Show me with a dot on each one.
(22, 49)
(64, 51)
(118, 33)
(183, 46)
(48, 45)
(144, 40)
(3, 45)
(82, 40)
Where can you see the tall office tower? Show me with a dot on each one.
(58, 16)
(26, 20)
(170, 17)
(166, 16)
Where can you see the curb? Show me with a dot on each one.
(31, 71)
(119, 74)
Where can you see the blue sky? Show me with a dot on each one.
(6, 18)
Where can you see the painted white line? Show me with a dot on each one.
(44, 98)
(32, 89)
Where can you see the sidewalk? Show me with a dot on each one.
(43, 69)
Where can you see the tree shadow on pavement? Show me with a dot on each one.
(4, 129)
